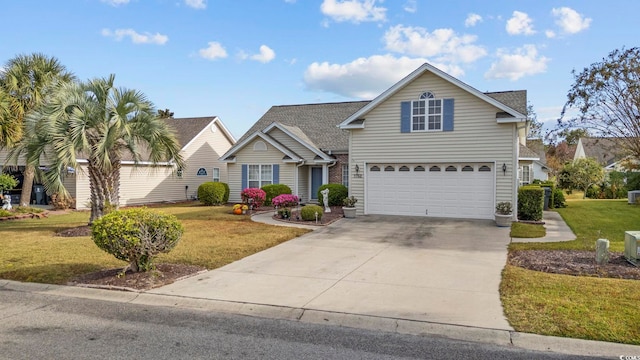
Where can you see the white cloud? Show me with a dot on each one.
(213, 51)
(196, 4)
(116, 2)
(570, 21)
(411, 6)
(550, 34)
(136, 38)
(523, 61)
(364, 78)
(444, 44)
(472, 19)
(266, 55)
(355, 11)
(520, 23)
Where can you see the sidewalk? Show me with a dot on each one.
(557, 230)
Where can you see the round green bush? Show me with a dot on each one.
(308, 212)
(136, 235)
(337, 193)
(212, 193)
(273, 190)
(225, 199)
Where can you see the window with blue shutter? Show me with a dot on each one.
(426, 114)
(245, 176)
(276, 174)
(447, 115)
(405, 116)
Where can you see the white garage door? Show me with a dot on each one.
(438, 190)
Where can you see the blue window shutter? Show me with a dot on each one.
(447, 115)
(245, 176)
(276, 174)
(405, 116)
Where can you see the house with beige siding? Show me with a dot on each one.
(434, 146)
(297, 145)
(202, 139)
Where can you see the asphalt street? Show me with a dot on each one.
(34, 325)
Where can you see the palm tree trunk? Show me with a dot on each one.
(97, 187)
(27, 184)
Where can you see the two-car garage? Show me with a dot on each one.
(454, 190)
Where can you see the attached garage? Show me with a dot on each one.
(456, 190)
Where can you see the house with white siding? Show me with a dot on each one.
(202, 141)
(297, 145)
(434, 146)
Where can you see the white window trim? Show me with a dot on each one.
(521, 174)
(427, 98)
(345, 175)
(213, 174)
(259, 180)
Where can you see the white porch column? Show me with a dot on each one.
(325, 173)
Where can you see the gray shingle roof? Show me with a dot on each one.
(187, 128)
(516, 99)
(537, 146)
(605, 150)
(525, 152)
(317, 121)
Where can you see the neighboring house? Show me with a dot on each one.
(432, 145)
(202, 140)
(297, 145)
(532, 162)
(606, 151)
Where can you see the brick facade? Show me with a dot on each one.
(335, 172)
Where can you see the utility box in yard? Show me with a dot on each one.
(632, 246)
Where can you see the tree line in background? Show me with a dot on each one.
(49, 117)
(606, 98)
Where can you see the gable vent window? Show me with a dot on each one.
(389, 168)
(374, 168)
(467, 168)
(419, 168)
(434, 168)
(202, 172)
(451, 168)
(259, 146)
(404, 168)
(484, 168)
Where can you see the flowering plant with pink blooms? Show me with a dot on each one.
(285, 200)
(253, 196)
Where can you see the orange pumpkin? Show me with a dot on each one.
(237, 211)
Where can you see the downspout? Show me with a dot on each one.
(296, 179)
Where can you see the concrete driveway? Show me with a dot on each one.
(436, 270)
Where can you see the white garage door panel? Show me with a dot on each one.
(457, 194)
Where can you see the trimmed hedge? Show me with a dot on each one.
(558, 198)
(337, 193)
(530, 203)
(136, 235)
(273, 190)
(213, 193)
(308, 212)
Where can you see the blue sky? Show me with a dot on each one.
(235, 59)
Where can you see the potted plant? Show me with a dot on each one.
(503, 214)
(349, 208)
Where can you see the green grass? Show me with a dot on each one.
(573, 306)
(523, 230)
(213, 237)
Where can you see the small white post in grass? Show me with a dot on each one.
(602, 251)
(316, 217)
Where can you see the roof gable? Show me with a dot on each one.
(187, 129)
(605, 150)
(355, 121)
(229, 156)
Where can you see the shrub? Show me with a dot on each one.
(274, 190)
(349, 202)
(7, 182)
(136, 235)
(308, 212)
(225, 199)
(285, 200)
(60, 202)
(337, 193)
(212, 193)
(530, 203)
(558, 198)
(253, 196)
(503, 208)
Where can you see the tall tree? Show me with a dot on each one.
(102, 123)
(10, 129)
(165, 114)
(535, 127)
(571, 136)
(29, 80)
(581, 174)
(607, 97)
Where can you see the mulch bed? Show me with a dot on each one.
(164, 274)
(574, 262)
(327, 218)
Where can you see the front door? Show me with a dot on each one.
(316, 181)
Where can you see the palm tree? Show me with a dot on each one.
(165, 114)
(28, 80)
(101, 123)
(10, 130)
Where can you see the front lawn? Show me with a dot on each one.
(213, 237)
(574, 306)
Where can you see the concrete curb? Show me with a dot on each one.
(395, 325)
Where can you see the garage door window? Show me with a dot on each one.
(484, 168)
(467, 168)
(389, 168)
(374, 168)
(419, 168)
(434, 168)
(404, 168)
(451, 168)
